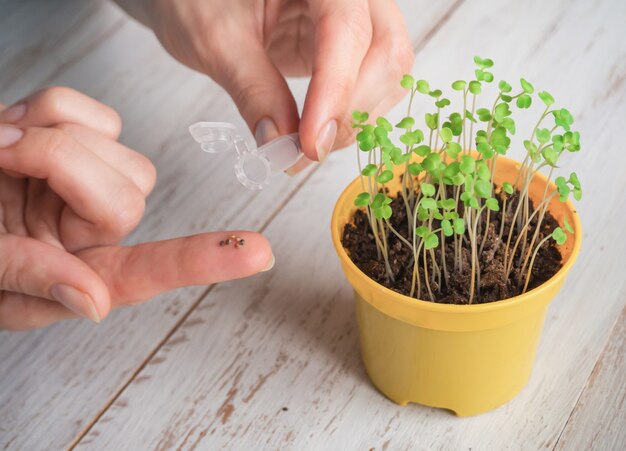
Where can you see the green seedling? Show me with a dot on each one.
(449, 194)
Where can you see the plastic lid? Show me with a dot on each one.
(254, 167)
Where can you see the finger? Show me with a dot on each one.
(22, 312)
(133, 165)
(137, 273)
(389, 57)
(343, 33)
(58, 105)
(95, 192)
(36, 269)
(258, 89)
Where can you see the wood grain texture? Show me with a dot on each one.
(55, 381)
(598, 421)
(273, 362)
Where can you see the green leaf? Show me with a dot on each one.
(429, 203)
(475, 87)
(385, 176)
(406, 123)
(427, 189)
(459, 85)
(502, 110)
(459, 226)
(453, 149)
(507, 188)
(432, 120)
(543, 135)
(422, 150)
(509, 124)
(415, 168)
(362, 199)
(482, 188)
(573, 179)
(546, 97)
(492, 204)
(559, 236)
(379, 200)
(473, 202)
(431, 162)
(504, 86)
(563, 118)
(442, 103)
(451, 170)
(482, 171)
(435, 93)
(396, 155)
(485, 150)
(467, 164)
(550, 156)
(431, 241)
(421, 231)
(448, 204)
(407, 81)
(524, 101)
(369, 170)
(446, 134)
(384, 124)
(567, 226)
(483, 63)
(422, 86)
(484, 115)
(527, 87)
(446, 226)
(359, 116)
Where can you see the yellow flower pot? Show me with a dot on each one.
(465, 358)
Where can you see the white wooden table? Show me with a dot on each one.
(273, 361)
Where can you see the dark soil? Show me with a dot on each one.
(358, 240)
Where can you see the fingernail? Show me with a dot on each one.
(270, 264)
(302, 163)
(13, 113)
(9, 135)
(75, 300)
(325, 140)
(266, 130)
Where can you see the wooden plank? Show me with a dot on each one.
(599, 420)
(40, 38)
(55, 381)
(273, 363)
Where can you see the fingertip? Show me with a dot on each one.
(257, 256)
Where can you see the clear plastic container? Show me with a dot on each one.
(254, 167)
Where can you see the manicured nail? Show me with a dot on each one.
(266, 130)
(302, 163)
(325, 140)
(9, 135)
(270, 264)
(13, 113)
(75, 300)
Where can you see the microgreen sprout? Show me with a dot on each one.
(448, 192)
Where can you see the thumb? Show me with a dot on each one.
(134, 274)
(258, 89)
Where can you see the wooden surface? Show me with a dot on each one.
(272, 361)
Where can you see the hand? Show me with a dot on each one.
(68, 193)
(356, 51)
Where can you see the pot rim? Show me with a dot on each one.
(436, 307)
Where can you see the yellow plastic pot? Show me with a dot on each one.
(465, 358)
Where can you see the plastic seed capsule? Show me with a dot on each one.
(254, 167)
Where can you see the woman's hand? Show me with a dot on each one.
(68, 194)
(356, 51)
